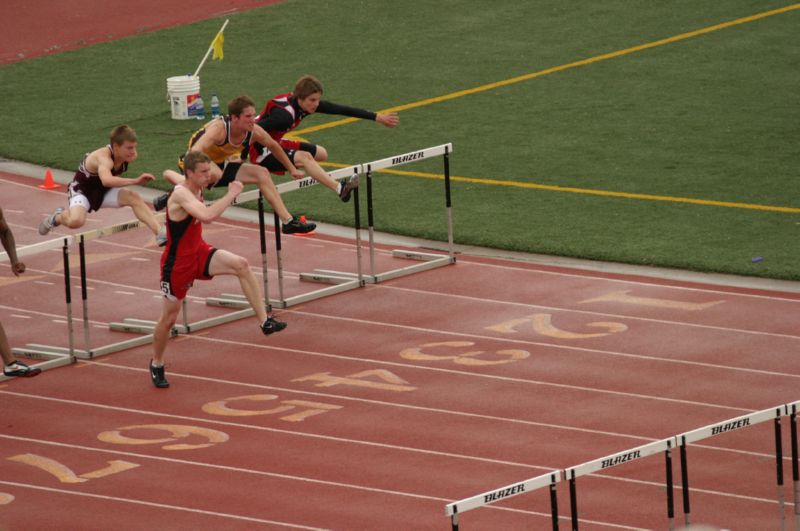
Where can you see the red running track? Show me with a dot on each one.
(378, 406)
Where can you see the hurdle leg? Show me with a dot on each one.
(454, 520)
(279, 259)
(685, 482)
(573, 502)
(448, 202)
(370, 222)
(795, 467)
(263, 242)
(670, 494)
(554, 503)
(68, 290)
(84, 296)
(357, 214)
(779, 469)
(185, 313)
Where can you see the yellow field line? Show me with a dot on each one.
(588, 191)
(584, 62)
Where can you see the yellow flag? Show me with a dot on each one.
(219, 40)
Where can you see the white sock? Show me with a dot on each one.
(339, 188)
(157, 365)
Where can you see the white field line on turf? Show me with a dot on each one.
(568, 347)
(410, 407)
(156, 505)
(585, 312)
(654, 484)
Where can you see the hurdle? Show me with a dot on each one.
(427, 260)
(550, 479)
(693, 436)
(791, 410)
(626, 456)
(666, 446)
(340, 281)
(53, 356)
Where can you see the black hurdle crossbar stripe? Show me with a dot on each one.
(685, 481)
(446, 157)
(68, 296)
(778, 450)
(65, 254)
(370, 209)
(263, 242)
(795, 467)
(553, 502)
(356, 209)
(84, 294)
(82, 254)
(670, 486)
(278, 260)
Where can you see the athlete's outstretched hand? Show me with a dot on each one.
(390, 119)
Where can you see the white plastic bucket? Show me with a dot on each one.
(182, 91)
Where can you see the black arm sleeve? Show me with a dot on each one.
(327, 107)
(277, 120)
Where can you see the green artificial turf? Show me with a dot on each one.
(713, 117)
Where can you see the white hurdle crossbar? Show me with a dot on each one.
(503, 493)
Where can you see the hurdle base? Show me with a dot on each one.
(53, 357)
(429, 261)
(237, 301)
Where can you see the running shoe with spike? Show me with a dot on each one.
(297, 226)
(17, 368)
(49, 222)
(348, 187)
(272, 325)
(158, 375)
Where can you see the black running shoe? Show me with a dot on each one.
(348, 187)
(297, 226)
(157, 374)
(272, 325)
(160, 202)
(20, 369)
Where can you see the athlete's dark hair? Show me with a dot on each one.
(238, 105)
(306, 86)
(193, 158)
(121, 133)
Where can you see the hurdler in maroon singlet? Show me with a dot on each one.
(90, 185)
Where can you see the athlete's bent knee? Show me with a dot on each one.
(321, 155)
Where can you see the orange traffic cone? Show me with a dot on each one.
(49, 183)
(303, 220)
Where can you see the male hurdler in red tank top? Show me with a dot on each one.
(187, 257)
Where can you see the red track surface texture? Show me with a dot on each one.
(378, 406)
(31, 29)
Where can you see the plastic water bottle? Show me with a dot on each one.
(201, 110)
(214, 106)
